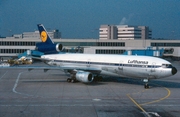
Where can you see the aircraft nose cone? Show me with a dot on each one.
(174, 71)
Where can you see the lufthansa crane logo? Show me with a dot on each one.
(43, 36)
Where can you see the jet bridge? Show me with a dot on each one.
(145, 52)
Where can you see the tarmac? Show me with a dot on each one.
(37, 93)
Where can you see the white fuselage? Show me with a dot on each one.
(114, 65)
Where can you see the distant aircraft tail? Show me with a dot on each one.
(44, 35)
(47, 46)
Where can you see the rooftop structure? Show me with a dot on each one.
(124, 32)
(53, 34)
(108, 32)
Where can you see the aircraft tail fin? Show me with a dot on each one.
(47, 46)
(45, 38)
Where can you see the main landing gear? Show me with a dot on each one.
(146, 85)
(98, 78)
(71, 80)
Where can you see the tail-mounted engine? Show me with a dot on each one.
(49, 48)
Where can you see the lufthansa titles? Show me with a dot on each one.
(137, 62)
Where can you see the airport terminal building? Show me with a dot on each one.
(106, 44)
(12, 47)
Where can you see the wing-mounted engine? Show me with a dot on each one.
(49, 48)
(85, 77)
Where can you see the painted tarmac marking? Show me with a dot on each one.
(158, 100)
(83, 105)
(16, 84)
(96, 99)
(3, 75)
(155, 101)
(139, 106)
(163, 98)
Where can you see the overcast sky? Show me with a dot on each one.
(82, 18)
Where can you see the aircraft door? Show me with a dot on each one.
(88, 63)
(120, 68)
(153, 67)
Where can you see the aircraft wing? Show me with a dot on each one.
(69, 68)
(46, 68)
(41, 59)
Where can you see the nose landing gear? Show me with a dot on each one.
(146, 85)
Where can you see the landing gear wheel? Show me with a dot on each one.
(72, 80)
(146, 86)
(68, 80)
(98, 78)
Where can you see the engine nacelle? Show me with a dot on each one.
(85, 77)
(49, 48)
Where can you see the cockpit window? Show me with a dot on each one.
(166, 65)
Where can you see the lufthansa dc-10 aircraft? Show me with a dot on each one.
(88, 67)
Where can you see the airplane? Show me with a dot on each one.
(88, 67)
